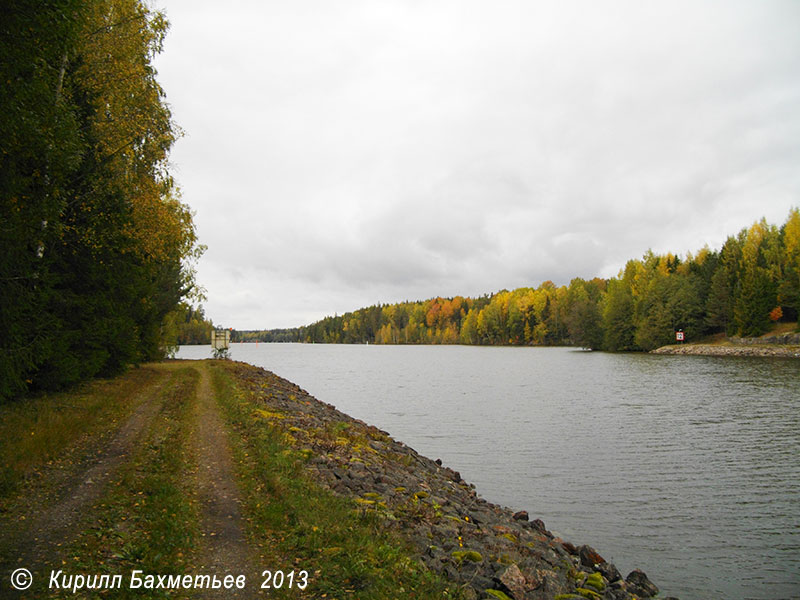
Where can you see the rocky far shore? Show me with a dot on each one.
(716, 350)
(491, 551)
(786, 345)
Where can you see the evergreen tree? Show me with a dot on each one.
(722, 290)
(789, 287)
(618, 310)
(95, 242)
(757, 293)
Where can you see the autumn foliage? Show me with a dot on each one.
(734, 290)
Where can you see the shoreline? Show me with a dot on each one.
(754, 350)
(490, 551)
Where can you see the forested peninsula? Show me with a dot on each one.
(96, 244)
(742, 289)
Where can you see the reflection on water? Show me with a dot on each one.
(687, 467)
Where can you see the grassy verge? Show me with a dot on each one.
(55, 432)
(346, 550)
(149, 517)
(720, 339)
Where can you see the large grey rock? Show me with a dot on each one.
(514, 582)
(640, 585)
(589, 557)
(609, 571)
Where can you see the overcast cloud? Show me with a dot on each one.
(342, 154)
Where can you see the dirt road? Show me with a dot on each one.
(91, 502)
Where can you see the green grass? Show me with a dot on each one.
(345, 548)
(720, 339)
(60, 430)
(148, 519)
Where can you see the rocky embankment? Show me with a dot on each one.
(492, 551)
(786, 345)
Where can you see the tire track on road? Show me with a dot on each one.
(37, 545)
(224, 548)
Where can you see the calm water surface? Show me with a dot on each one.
(686, 467)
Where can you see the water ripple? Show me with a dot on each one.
(686, 467)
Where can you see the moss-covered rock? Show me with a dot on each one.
(596, 582)
(470, 555)
(497, 594)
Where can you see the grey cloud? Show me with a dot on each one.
(372, 152)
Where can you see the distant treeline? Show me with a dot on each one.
(94, 237)
(740, 289)
(269, 335)
(191, 325)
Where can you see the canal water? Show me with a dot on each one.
(686, 467)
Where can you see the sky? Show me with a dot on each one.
(343, 154)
